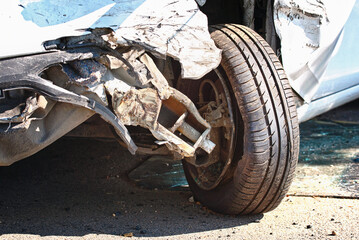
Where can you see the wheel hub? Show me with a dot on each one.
(215, 106)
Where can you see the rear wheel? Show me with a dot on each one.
(249, 104)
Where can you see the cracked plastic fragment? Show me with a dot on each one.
(19, 113)
(88, 74)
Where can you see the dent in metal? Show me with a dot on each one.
(111, 62)
(317, 107)
(167, 28)
(310, 33)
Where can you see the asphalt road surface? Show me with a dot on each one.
(79, 189)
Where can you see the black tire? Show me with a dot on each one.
(267, 133)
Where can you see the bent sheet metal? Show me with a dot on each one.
(94, 59)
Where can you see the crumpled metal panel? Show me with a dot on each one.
(96, 83)
(165, 28)
(168, 28)
(138, 107)
(319, 51)
(310, 32)
(173, 28)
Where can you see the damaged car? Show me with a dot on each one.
(163, 78)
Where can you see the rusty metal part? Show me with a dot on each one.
(214, 98)
(189, 105)
(144, 107)
(189, 131)
(157, 79)
(179, 122)
(217, 115)
(173, 142)
(138, 107)
(204, 82)
(199, 139)
(193, 126)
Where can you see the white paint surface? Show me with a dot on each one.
(174, 28)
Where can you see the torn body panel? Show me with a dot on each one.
(22, 73)
(152, 26)
(152, 108)
(95, 61)
(131, 106)
(167, 28)
(317, 45)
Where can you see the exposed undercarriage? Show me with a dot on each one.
(124, 75)
(121, 84)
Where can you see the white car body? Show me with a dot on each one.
(318, 48)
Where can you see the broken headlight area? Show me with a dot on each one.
(47, 95)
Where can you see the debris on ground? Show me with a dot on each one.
(130, 234)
